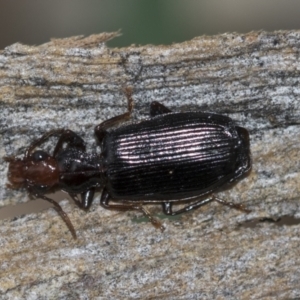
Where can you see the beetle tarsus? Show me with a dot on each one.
(240, 207)
(156, 223)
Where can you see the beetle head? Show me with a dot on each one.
(39, 170)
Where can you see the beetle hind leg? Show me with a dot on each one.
(104, 202)
(240, 207)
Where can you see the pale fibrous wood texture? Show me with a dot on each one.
(212, 253)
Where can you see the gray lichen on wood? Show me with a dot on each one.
(211, 253)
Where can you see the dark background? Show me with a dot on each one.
(141, 21)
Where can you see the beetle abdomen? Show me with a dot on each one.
(174, 156)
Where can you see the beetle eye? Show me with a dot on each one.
(39, 155)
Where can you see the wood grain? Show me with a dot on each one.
(212, 253)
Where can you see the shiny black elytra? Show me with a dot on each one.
(168, 159)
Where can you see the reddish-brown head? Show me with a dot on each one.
(37, 170)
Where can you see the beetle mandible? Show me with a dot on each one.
(170, 158)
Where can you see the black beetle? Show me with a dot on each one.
(170, 158)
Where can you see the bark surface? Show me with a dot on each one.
(212, 253)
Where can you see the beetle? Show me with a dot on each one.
(170, 158)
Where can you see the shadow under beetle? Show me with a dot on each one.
(170, 158)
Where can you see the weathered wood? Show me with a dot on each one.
(212, 253)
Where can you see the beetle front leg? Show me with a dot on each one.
(66, 136)
(41, 140)
(100, 130)
(104, 202)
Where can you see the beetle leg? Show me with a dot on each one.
(42, 139)
(71, 138)
(157, 108)
(60, 211)
(232, 205)
(86, 199)
(167, 206)
(100, 130)
(66, 135)
(104, 202)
